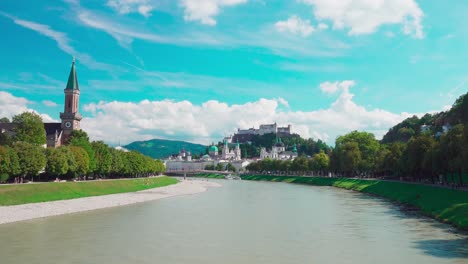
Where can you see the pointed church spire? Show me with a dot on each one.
(72, 83)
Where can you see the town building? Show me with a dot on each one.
(246, 135)
(278, 152)
(265, 129)
(57, 134)
(185, 163)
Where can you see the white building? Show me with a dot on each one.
(278, 152)
(184, 162)
(265, 129)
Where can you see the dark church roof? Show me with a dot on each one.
(7, 126)
(51, 128)
(72, 83)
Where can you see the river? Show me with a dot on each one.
(241, 222)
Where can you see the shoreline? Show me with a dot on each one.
(23, 212)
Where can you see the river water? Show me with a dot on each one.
(241, 222)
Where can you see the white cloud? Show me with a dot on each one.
(366, 16)
(322, 26)
(333, 87)
(12, 105)
(205, 10)
(49, 103)
(143, 7)
(210, 121)
(295, 25)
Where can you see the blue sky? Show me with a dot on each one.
(198, 69)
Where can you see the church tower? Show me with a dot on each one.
(70, 116)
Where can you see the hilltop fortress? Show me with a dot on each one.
(245, 135)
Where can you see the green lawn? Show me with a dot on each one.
(211, 175)
(446, 205)
(43, 192)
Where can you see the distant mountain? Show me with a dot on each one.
(161, 148)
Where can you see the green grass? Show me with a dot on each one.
(211, 175)
(446, 205)
(53, 191)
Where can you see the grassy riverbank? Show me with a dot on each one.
(446, 205)
(43, 192)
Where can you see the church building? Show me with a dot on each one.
(57, 134)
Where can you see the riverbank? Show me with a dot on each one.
(29, 211)
(52, 191)
(446, 205)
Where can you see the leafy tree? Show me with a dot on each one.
(81, 159)
(59, 161)
(392, 159)
(31, 158)
(4, 120)
(9, 165)
(29, 128)
(299, 164)
(79, 138)
(416, 151)
(103, 157)
(349, 157)
(320, 162)
(5, 139)
(451, 145)
(367, 145)
(118, 162)
(219, 167)
(230, 167)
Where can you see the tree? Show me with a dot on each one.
(4, 120)
(118, 162)
(79, 138)
(29, 128)
(349, 157)
(415, 154)
(219, 167)
(230, 167)
(209, 167)
(392, 160)
(319, 162)
(9, 165)
(103, 158)
(451, 145)
(299, 164)
(5, 139)
(81, 161)
(367, 145)
(31, 158)
(59, 161)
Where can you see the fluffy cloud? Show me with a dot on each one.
(128, 6)
(333, 87)
(295, 25)
(210, 121)
(364, 16)
(12, 105)
(205, 10)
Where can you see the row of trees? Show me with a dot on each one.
(423, 157)
(23, 156)
(318, 163)
(221, 167)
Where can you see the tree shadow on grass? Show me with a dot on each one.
(443, 248)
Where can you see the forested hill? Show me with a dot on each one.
(429, 123)
(307, 147)
(161, 148)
